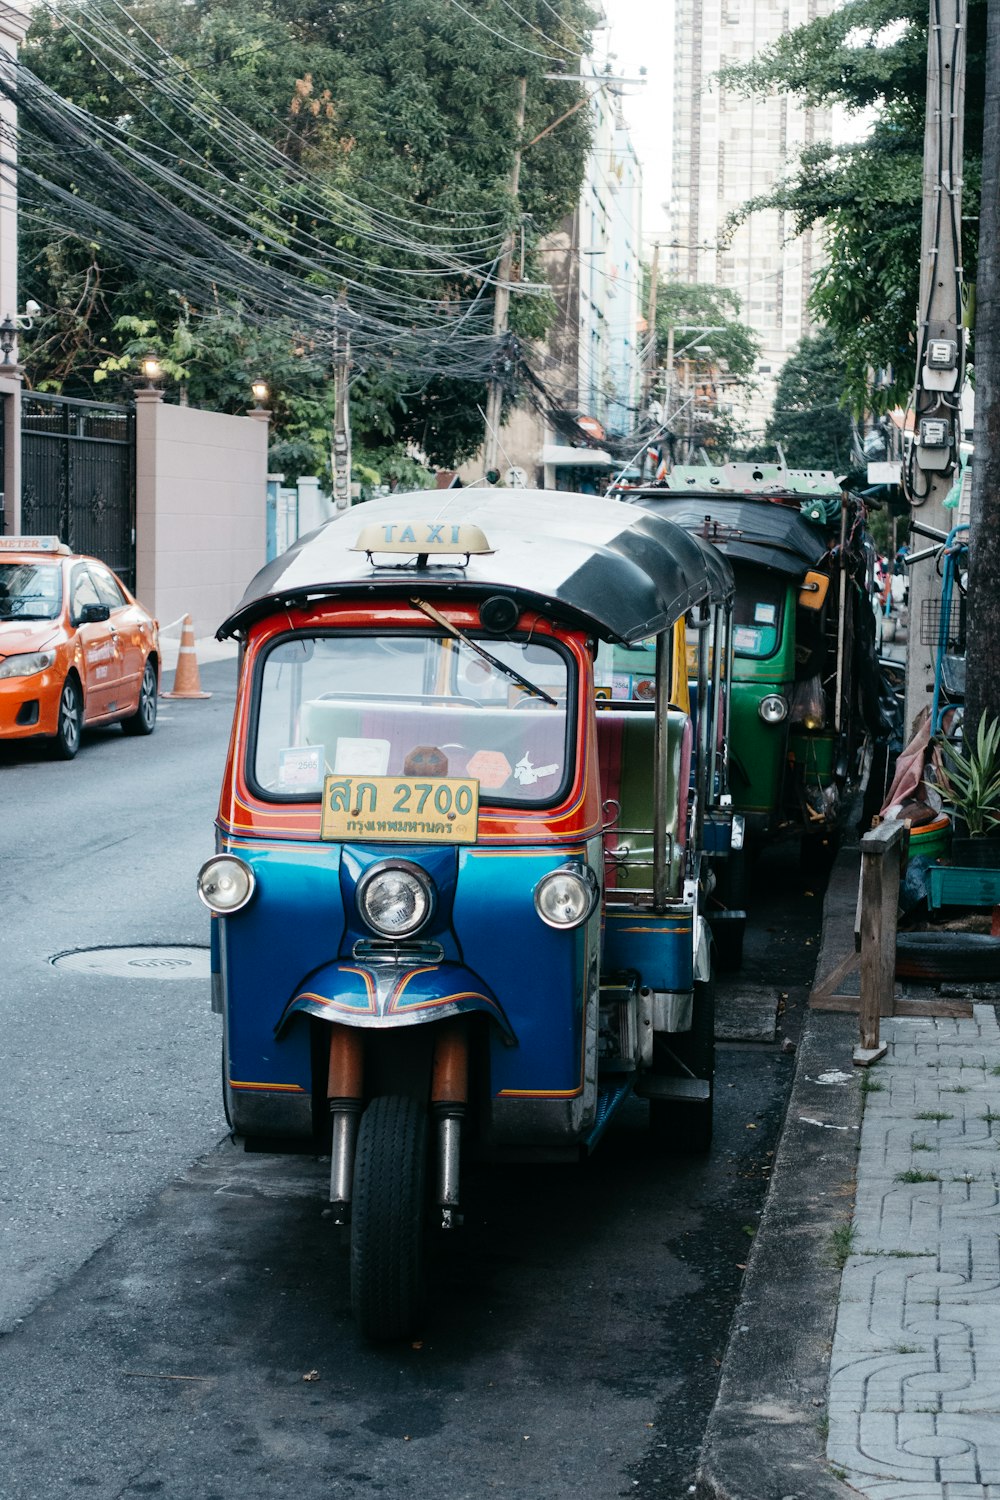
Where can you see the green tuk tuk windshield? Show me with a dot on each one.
(412, 705)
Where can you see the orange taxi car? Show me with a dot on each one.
(75, 646)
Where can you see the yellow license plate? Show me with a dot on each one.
(439, 810)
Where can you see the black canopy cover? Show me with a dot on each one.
(616, 569)
(753, 531)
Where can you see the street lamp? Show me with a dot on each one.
(152, 370)
(10, 327)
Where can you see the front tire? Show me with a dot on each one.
(143, 721)
(70, 721)
(388, 1219)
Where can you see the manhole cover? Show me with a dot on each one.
(137, 963)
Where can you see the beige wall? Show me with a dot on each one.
(201, 491)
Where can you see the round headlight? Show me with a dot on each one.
(225, 883)
(395, 900)
(565, 898)
(773, 708)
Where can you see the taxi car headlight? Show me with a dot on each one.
(566, 897)
(225, 884)
(395, 899)
(27, 664)
(773, 708)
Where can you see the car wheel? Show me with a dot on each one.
(70, 722)
(143, 721)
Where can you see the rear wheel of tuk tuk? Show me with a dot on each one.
(388, 1218)
(685, 1126)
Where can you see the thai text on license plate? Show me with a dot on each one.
(439, 810)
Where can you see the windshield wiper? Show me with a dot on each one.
(459, 635)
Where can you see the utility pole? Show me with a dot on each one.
(982, 684)
(342, 409)
(928, 472)
(650, 362)
(501, 301)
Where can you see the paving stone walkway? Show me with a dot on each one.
(915, 1372)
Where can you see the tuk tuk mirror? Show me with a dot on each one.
(814, 589)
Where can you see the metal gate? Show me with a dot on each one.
(78, 476)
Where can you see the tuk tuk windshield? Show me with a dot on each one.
(412, 705)
(760, 598)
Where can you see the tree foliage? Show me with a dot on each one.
(406, 106)
(715, 356)
(868, 54)
(809, 418)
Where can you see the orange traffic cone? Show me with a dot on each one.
(187, 683)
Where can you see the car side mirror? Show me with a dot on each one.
(814, 589)
(94, 614)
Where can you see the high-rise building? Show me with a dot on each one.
(728, 149)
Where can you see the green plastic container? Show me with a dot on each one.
(932, 840)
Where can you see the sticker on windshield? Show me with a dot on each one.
(300, 768)
(361, 757)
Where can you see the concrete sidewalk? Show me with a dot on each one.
(883, 1378)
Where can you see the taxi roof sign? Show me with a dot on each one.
(32, 544)
(425, 538)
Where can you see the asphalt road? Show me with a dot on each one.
(175, 1313)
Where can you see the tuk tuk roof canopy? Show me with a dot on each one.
(752, 531)
(612, 568)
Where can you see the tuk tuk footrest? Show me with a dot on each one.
(654, 1086)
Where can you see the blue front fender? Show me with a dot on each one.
(381, 995)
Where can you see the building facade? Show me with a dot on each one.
(728, 149)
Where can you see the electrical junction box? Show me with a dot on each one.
(935, 444)
(943, 362)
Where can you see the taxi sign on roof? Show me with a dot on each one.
(31, 544)
(426, 538)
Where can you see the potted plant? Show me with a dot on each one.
(968, 779)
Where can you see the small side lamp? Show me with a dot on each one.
(261, 391)
(151, 369)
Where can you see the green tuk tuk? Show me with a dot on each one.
(805, 702)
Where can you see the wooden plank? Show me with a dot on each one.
(840, 971)
(904, 1006)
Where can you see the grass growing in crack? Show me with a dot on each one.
(900, 1254)
(870, 1084)
(914, 1176)
(823, 1426)
(907, 1349)
(841, 1244)
(989, 1116)
(921, 1146)
(958, 1088)
(933, 1114)
(995, 1072)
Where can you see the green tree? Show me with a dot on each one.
(379, 165)
(714, 359)
(809, 418)
(868, 54)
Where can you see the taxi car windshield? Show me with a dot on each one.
(30, 591)
(398, 705)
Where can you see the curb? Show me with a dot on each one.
(766, 1435)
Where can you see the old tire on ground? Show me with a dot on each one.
(70, 721)
(388, 1218)
(143, 721)
(685, 1127)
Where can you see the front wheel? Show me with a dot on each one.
(143, 721)
(388, 1218)
(70, 721)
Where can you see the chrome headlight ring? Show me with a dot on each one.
(395, 898)
(565, 898)
(773, 709)
(226, 884)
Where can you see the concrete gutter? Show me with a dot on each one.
(766, 1436)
